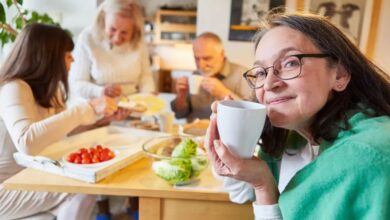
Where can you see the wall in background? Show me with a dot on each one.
(178, 57)
(76, 14)
(382, 49)
(72, 14)
(214, 16)
(152, 5)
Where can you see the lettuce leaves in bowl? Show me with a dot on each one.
(186, 162)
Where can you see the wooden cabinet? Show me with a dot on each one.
(165, 81)
(175, 26)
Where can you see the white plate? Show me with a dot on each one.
(195, 128)
(154, 104)
(91, 165)
(134, 106)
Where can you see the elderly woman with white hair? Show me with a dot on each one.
(110, 56)
(111, 59)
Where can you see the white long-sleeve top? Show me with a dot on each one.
(27, 127)
(97, 65)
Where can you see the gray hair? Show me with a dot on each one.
(211, 37)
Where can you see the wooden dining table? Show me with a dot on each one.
(203, 199)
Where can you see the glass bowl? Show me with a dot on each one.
(178, 159)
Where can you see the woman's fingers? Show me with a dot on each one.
(116, 90)
(226, 158)
(214, 127)
(208, 139)
(212, 131)
(212, 136)
(110, 106)
(228, 97)
(121, 114)
(104, 105)
(112, 90)
(214, 106)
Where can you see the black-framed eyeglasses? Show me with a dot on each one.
(286, 68)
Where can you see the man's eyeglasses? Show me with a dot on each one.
(286, 68)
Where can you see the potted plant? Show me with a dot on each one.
(11, 25)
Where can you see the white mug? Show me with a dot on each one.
(165, 120)
(240, 124)
(194, 82)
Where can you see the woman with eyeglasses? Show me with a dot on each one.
(325, 148)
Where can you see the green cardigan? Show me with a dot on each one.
(350, 179)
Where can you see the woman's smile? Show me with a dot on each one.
(278, 100)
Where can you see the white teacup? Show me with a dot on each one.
(165, 120)
(194, 82)
(240, 124)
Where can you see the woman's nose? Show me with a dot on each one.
(116, 38)
(271, 81)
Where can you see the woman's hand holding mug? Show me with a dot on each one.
(228, 162)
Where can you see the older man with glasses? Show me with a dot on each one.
(220, 78)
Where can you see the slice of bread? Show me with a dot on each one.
(133, 106)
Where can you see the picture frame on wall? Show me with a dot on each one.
(357, 19)
(244, 17)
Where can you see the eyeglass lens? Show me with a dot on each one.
(286, 68)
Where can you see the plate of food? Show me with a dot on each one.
(145, 103)
(125, 102)
(90, 157)
(196, 128)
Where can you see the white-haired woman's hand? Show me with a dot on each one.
(112, 90)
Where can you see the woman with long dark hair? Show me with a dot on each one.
(33, 91)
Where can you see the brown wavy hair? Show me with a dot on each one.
(38, 58)
(369, 87)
